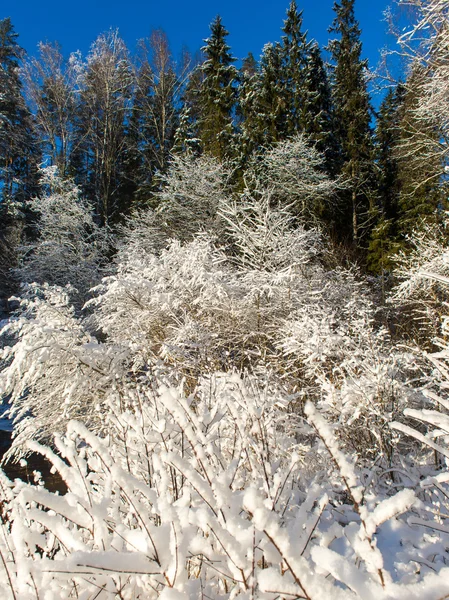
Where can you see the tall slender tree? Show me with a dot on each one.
(18, 150)
(262, 102)
(155, 114)
(52, 90)
(318, 120)
(103, 113)
(295, 52)
(384, 241)
(217, 94)
(419, 158)
(353, 119)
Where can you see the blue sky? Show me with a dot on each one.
(251, 23)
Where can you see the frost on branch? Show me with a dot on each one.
(292, 171)
(190, 194)
(56, 370)
(205, 495)
(70, 247)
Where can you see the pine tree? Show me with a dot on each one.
(217, 93)
(353, 117)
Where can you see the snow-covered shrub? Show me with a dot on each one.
(422, 275)
(206, 497)
(55, 370)
(292, 170)
(190, 194)
(349, 365)
(70, 247)
(264, 237)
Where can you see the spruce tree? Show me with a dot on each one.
(18, 149)
(384, 237)
(420, 162)
(295, 52)
(387, 135)
(217, 94)
(262, 103)
(353, 117)
(317, 119)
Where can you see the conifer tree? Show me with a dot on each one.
(217, 93)
(420, 163)
(18, 149)
(295, 51)
(317, 114)
(187, 132)
(262, 102)
(388, 135)
(353, 116)
(384, 237)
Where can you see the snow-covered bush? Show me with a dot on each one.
(292, 170)
(190, 194)
(269, 304)
(55, 370)
(262, 236)
(70, 247)
(208, 496)
(422, 275)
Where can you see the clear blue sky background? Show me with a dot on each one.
(251, 23)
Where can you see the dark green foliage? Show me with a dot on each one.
(318, 116)
(353, 119)
(384, 241)
(295, 53)
(18, 152)
(217, 94)
(419, 165)
(388, 135)
(262, 102)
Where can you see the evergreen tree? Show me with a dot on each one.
(217, 93)
(420, 161)
(295, 51)
(384, 237)
(262, 103)
(353, 116)
(187, 132)
(388, 135)
(317, 114)
(18, 150)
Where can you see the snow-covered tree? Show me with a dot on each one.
(70, 249)
(217, 93)
(190, 194)
(292, 170)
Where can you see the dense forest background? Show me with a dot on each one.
(111, 123)
(226, 325)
